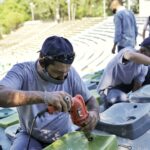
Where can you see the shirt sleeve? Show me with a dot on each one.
(78, 86)
(143, 72)
(14, 77)
(118, 28)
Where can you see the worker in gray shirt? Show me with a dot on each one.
(124, 73)
(33, 86)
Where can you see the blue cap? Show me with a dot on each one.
(58, 48)
(146, 42)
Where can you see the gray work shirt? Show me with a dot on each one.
(117, 72)
(24, 76)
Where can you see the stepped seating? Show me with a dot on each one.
(93, 37)
(96, 48)
(28, 39)
(140, 20)
(101, 35)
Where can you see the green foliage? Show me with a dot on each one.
(12, 21)
(135, 6)
(63, 10)
(88, 8)
(12, 13)
(15, 12)
(43, 9)
(108, 10)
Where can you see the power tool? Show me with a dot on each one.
(78, 110)
(78, 113)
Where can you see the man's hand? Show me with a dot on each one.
(91, 121)
(114, 48)
(136, 86)
(60, 100)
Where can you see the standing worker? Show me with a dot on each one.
(33, 86)
(125, 26)
(146, 26)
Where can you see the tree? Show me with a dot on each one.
(12, 13)
(15, 12)
(135, 6)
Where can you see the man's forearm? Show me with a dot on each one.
(136, 86)
(93, 105)
(14, 98)
(137, 58)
